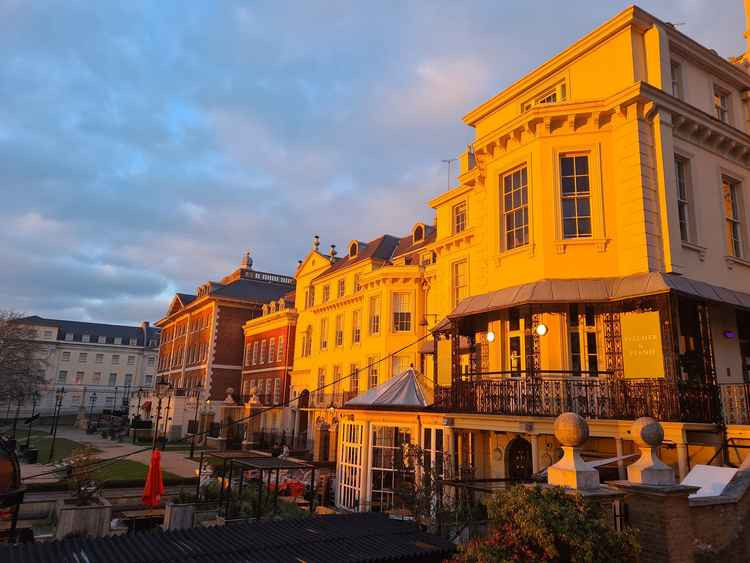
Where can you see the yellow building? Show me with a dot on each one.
(594, 258)
(359, 315)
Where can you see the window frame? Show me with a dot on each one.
(737, 249)
(373, 321)
(401, 321)
(683, 168)
(677, 89)
(722, 112)
(454, 287)
(524, 207)
(457, 228)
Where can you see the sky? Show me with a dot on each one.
(145, 146)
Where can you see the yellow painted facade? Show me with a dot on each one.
(360, 313)
(626, 154)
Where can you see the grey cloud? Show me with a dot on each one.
(144, 146)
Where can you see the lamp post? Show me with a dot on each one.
(92, 400)
(161, 390)
(59, 395)
(195, 418)
(114, 403)
(137, 414)
(34, 399)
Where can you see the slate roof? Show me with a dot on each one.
(94, 330)
(406, 244)
(186, 298)
(251, 290)
(361, 537)
(382, 248)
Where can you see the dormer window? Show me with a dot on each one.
(418, 233)
(353, 250)
(557, 93)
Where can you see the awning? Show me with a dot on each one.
(595, 290)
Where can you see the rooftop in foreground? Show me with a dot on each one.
(351, 537)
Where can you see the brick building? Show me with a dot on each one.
(201, 348)
(269, 356)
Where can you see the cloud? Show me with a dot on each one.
(145, 146)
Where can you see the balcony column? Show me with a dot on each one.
(534, 439)
(621, 474)
(682, 461)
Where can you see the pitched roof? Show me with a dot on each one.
(406, 244)
(408, 390)
(359, 537)
(382, 248)
(186, 298)
(94, 330)
(251, 290)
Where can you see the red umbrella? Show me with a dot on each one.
(154, 485)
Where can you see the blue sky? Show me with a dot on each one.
(145, 146)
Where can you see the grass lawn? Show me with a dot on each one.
(63, 447)
(126, 470)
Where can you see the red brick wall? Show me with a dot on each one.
(221, 379)
(230, 335)
(258, 371)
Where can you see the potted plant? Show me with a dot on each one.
(86, 512)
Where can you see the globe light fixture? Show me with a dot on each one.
(541, 329)
(490, 336)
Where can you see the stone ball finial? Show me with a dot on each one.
(571, 429)
(647, 432)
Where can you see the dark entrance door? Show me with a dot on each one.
(519, 460)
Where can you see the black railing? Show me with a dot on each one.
(735, 402)
(601, 397)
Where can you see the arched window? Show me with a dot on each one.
(353, 249)
(418, 233)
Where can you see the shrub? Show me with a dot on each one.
(548, 524)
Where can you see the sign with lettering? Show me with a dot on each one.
(641, 345)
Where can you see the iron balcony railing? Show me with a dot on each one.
(591, 395)
(735, 402)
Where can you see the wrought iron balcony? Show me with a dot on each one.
(735, 402)
(591, 395)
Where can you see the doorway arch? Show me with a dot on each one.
(518, 459)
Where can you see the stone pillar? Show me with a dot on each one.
(571, 471)
(682, 461)
(657, 507)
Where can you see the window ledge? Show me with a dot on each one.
(600, 243)
(701, 250)
(525, 249)
(732, 260)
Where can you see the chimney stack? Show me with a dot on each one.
(316, 243)
(332, 253)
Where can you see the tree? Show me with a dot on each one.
(547, 524)
(21, 361)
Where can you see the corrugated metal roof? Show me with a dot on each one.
(596, 290)
(364, 537)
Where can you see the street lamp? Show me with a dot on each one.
(161, 390)
(114, 403)
(195, 418)
(59, 395)
(92, 400)
(34, 400)
(137, 414)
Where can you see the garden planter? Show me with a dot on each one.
(91, 520)
(178, 516)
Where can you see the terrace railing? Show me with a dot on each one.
(735, 401)
(597, 396)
